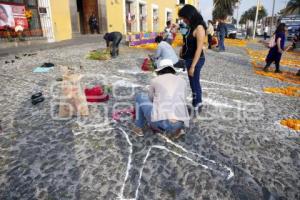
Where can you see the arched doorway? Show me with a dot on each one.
(85, 9)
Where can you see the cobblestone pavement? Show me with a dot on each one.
(235, 149)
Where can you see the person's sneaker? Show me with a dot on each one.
(198, 108)
(138, 131)
(278, 71)
(179, 133)
(266, 69)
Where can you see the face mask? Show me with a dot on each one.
(184, 30)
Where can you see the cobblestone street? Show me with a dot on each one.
(235, 149)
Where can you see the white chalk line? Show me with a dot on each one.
(231, 174)
(232, 86)
(129, 162)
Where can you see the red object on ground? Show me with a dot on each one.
(117, 115)
(96, 94)
(146, 64)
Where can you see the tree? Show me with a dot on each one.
(244, 18)
(225, 4)
(292, 7)
(223, 8)
(219, 13)
(250, 15)
(261, 13)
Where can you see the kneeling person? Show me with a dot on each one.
(113, 39)
(166, 51)
(164, 107)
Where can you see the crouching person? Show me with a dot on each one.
(164, 108)
(166, 51)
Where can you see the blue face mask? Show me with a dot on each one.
(184, 30)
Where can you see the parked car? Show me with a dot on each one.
(293, 24)
(293, 30)
(231, 31)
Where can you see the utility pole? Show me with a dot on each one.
(256, 17)
(272, 19)
(237, 14)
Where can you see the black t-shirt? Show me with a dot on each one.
(190, 46)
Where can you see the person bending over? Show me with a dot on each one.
(113, 40)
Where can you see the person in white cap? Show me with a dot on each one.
(164, 108)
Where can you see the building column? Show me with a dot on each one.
(102, 13)
(46, 20)
(75, 21)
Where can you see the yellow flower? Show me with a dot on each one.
(28, 14)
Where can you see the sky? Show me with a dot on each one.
(206, 7)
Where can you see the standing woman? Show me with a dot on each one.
(192, 50)
(276, 51)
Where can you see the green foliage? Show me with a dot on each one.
(223, 8)
(251, 13)
(293, 7)
(99, 55)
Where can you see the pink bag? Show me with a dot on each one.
(272, 42)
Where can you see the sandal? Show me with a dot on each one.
(37, 100)
(36, 95)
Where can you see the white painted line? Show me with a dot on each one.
(129, 162)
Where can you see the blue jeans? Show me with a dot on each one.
(143, 116)
(195, 80)
(221, 42)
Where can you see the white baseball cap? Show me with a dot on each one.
(164, 63)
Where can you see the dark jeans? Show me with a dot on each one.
(144, 108)
(221, 42)
(209, 37)
(195, 80)
(273, 56)
(265, 35)
(115, 46)
(94, 28)
(269, 62)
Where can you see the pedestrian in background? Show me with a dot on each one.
(192, 50)
(210, 33)
(168, 35)
(266, 30)
(276, 51)
(93, 22)
(222, 31)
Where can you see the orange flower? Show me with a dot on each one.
(288, 91)
(291, 123)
